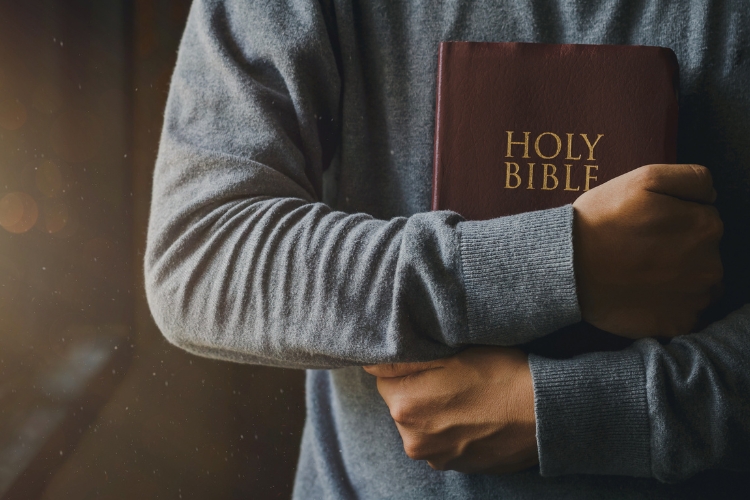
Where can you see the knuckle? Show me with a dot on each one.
(414, 449)
(703, 174)
(704, 301)
(715, 225)
(647, 176)
(398, 413)
(440, 466)
(708, 221)
(700, 302)
(715, 272)
(402, 411)
(648, 171)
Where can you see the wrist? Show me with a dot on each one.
(524, 394)
(522, 414)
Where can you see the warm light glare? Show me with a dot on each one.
(46, 98)
(99, 253)
(74, 136)
(49, 179)
(55, 216)
(18, 212)
(12, 114)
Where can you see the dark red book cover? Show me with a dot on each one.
(525, 126)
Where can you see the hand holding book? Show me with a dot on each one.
(645, 238)
(472, 412)
(647, 259)
(647, 251)
(523, 127)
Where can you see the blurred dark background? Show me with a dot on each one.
(94, 403)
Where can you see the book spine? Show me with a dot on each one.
(436, 167)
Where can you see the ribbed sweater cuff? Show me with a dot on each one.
(592, 414)
(518, 274)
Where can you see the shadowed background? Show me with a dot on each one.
(94, 403)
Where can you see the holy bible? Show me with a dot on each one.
(526, 126)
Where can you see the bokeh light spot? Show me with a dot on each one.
(12, 114)
(49, 179)
(56, 216)
(18, 212)
(74, 136)
(46, 98)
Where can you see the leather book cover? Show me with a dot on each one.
(526, 126)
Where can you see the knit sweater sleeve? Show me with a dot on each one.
(664, 411)
(243, 260)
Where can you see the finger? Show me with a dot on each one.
(390, 390)
(687, 182)
(392, 370)
(402, 400)
(408, 392)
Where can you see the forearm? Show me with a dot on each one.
(289, 281)
(244, 262)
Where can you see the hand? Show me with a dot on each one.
(472, 412)
(646, 248)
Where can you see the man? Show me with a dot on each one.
(289, 227)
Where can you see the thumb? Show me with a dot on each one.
(393, 370)
(686, 182)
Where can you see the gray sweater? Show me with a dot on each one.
(290, 226)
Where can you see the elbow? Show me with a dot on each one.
(164, 303)
(168, 279)
(184, 294)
